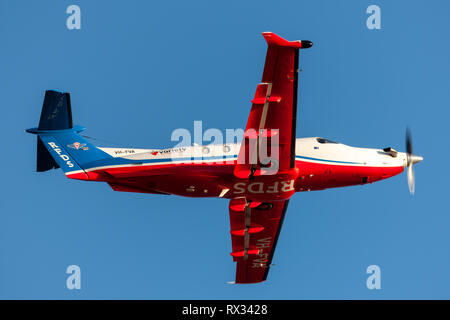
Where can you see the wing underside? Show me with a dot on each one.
(256, 214)
(253, 250)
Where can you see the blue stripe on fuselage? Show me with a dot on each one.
(124, 161)
(324, 160)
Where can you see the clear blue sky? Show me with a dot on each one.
(137, 70)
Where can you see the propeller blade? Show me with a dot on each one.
(411, 180)
(411, 160)
(409, 149)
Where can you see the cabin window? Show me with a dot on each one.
(322, 140)
(226, 148)
(205, 150)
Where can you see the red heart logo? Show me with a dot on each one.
(154, 153)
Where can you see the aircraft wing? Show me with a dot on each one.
(261, 238)
(258, 206)
(275, 104)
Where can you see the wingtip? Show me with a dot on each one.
(274, 39)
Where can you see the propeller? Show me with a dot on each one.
(411, 159)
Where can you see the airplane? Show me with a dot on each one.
(258, 188)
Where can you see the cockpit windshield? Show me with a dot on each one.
(322, 140)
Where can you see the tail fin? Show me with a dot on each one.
(59, 144)
(56, 112)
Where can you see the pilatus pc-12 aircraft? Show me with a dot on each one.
(258, 195)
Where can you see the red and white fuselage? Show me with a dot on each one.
(206, 171)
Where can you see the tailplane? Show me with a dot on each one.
(59, 144)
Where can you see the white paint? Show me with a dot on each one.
(329, 153)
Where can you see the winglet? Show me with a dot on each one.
(276, 40)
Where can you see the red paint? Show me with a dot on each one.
(177, 178)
